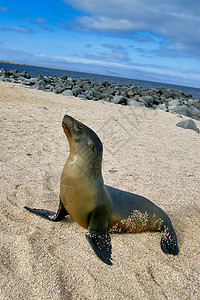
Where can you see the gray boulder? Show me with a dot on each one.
(188, 124)
(124, 93)
(67, 84)
(130, 93)
(131, 102)
(67, 93)
(76, 91)
(40, 85)
(96, 94)
(63, 77)
(147, 100)
(136, 97)
(59, 89)
(192, 102)
(161, 106)
(40, 77)
(173, 104)
(119, 100)
(82, 96)
(195, 112)
(192, 111)
(181, 110)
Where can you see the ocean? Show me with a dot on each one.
(34, 71)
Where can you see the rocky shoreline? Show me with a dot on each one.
(163, 98)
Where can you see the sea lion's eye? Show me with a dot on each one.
(79, 126)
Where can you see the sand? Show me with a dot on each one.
(144, 153)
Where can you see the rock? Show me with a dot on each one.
(181, 110)
(161, 106)
(168, 93)
(136, 97)
(63, 77)
(131, 102)
(191, 111)
(124, 93)
(79, 83)
(59, 89)
(82, 96)
(28, 82)
(40, 77)
(67, 93)
(43, 107)
(76, 91)
(97, 95)
(40, 85)
(47, 80)
(130, 93)
(109, 92)
(194, 112)
(22, 74)
(146, 100)
(21, 78)
(47, 87)
(192, 102)
(89, 97)
(7, 79)
(67, 84)
(162, 99)
(119, 100)
(87, 87)
(157, 98)
(173, 104)
(188, 124)
(15, 71)
(144, 93)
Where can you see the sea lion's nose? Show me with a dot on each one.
(67, 120)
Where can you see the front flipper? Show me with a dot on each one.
(169, 243)
(98, 236)
(49, 215)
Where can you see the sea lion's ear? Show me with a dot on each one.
(91, 146)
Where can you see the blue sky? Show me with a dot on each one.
(153, 40)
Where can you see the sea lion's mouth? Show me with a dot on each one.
(65, 127)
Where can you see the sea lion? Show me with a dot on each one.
(100, 208)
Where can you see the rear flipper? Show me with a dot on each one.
(49, 215)
(98, 236)
(169, 243)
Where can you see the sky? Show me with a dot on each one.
(155, 40)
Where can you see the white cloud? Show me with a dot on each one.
(105, 24)
(178, 21)
(41, 20)
(113, 46)
(21, 30)
(4, 9)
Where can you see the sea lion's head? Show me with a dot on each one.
(84, 143)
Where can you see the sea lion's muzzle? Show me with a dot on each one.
(67, 124)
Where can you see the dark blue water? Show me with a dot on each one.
(34, 71)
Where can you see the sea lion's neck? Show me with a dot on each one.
(84, 166)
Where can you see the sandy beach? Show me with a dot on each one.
(144, 153)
